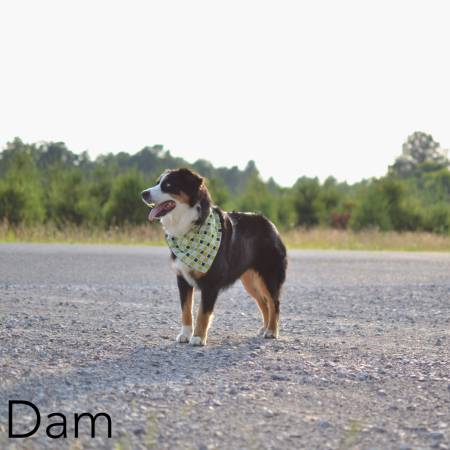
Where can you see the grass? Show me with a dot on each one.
(331, 239)
(72, 234)
(315, 238)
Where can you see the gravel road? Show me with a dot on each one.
(362, 361)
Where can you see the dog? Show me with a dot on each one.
(211, 249)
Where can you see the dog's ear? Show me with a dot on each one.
(194, 186)
(197, 181)
(192, 181)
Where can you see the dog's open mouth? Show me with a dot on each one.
(161, 209)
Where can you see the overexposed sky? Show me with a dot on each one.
(302, 87)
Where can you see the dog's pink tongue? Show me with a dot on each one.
(154, 212)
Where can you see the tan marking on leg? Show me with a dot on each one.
(186, 312)
(273, 318)
(249, 282)
(263, 292)
(202, 322)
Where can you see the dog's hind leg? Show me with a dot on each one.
(250, 285)
(273, 306)
(274, 316)
(271, 300)
(270, 276)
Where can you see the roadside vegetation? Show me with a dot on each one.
(51, 194)
(302, 238)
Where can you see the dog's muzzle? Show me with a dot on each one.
(146, 196)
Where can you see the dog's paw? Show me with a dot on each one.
(182, 338)
(269, 334)
(185, 335)
(197, 340)
(261, 331)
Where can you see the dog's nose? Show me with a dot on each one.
(146, 196)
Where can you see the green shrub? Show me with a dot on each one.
(48, 182)
(371, 211)
(387, 204)
(21, 191)
(257, 198)
(12, 205)
(67, 198)
(125, 204)
(307, 201)
(218, 191)
(437, 219)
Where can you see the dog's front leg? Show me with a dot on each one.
(186, 298)
(204, 315)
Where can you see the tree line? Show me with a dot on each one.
(48, 183)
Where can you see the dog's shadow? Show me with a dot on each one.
(150, 368)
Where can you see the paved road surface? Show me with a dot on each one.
(363, 359)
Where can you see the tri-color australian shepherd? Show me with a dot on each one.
(250, 249)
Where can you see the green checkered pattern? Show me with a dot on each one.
(198, 248)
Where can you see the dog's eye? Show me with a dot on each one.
(168, 185)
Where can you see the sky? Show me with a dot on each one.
(311, 88)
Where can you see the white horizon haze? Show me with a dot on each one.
(302, 88)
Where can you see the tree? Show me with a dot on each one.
(21, 191)
(438, 218)
(67, 198)
(307, 201)
(385, 204)
(371, 210)
(51, 153)
(419, 148)
(12, 204)
(100, 186)
(125, 204)
(219, 192)
(257, 198)
(49, 182)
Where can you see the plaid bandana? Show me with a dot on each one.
(199, 246)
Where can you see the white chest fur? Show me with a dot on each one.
(179, 221)
(184, 270)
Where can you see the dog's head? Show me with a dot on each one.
(179, 195)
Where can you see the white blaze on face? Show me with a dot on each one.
(157, 195)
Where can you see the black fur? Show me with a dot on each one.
(184, 288)
(249, 241)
